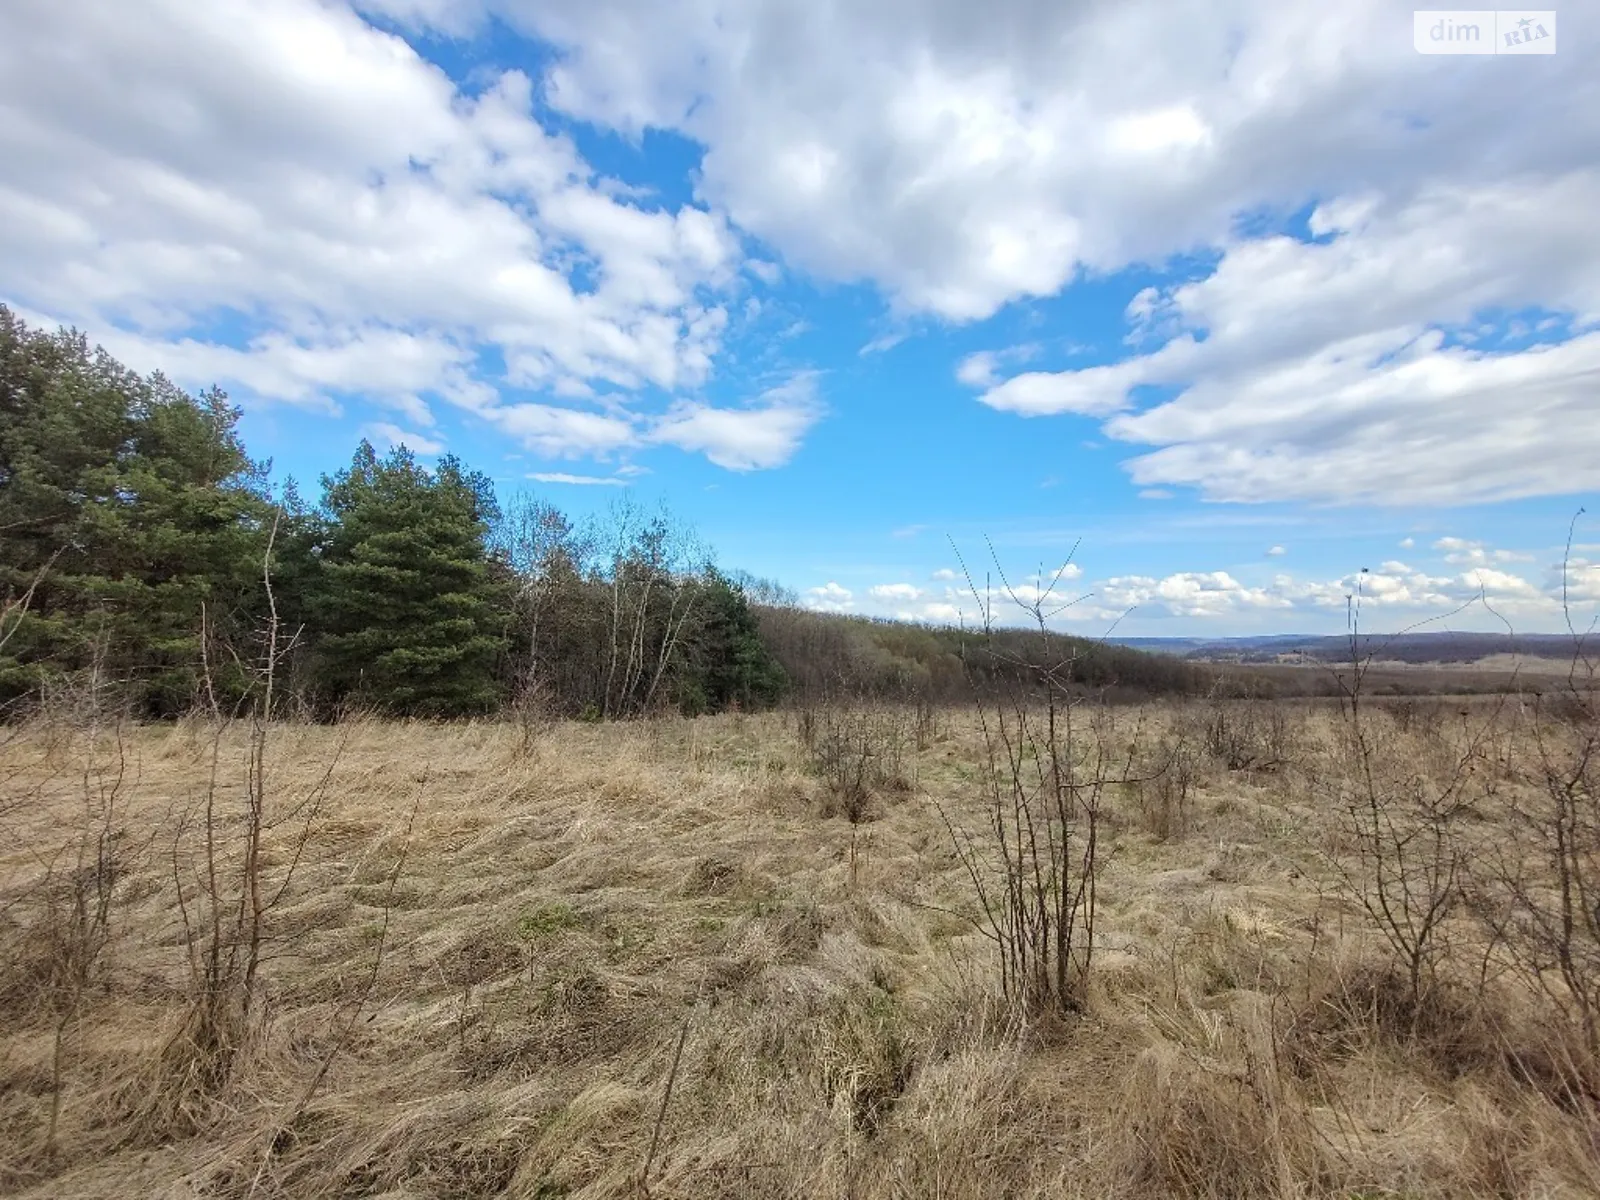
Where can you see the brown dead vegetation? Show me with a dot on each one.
(495, 954)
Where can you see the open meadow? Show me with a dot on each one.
(775, 600)
(749, 956)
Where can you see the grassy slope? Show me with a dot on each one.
(562, 912)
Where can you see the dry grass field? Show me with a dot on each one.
(661, 959)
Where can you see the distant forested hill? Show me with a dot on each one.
(1420, 648)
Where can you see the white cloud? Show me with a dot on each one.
(1407, 543)
(830, 597)
(1276, 552)
(1093, 391)
(390, 366)
(765, 435)
(1463, 552)
(978, 370)
(1499, 583)
(881, 344)
(895, 591)
(1185, 594)
(945, 574)
(1582, 581)
(176, 173)
(982, 370)
(384, 435)
(564, 432)
(455, 17)
(1321, 379)
(960, 157)
(579, 480)
(1394, 593)
(768, 272)
(1066, 571)
(966, 157)
(1396, 586)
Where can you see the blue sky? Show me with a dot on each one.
(1239, 298)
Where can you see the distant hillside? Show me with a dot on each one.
(1419, 648)
(826, 654)
(833, 655)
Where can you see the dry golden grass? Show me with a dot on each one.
(564, 917)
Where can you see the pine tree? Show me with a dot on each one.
(732, 666)
(410, 616)
(134, 510)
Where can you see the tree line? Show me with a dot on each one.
(144, 553)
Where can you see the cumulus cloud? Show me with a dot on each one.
(1461, 551)
(982, 369)
(1500, 583)
(384, 435)
(966, 157)
(287, 200)
(1394, 585)
(1276, 552)
(564, 432)
(1057, 575)
(830, 597)
(1400, 592)
(895, 591)
(1582, 578)
(1188, 594)
(390, 366)
(1327, 373)
(1093, 391)
(958, 157)
(978, 370)
(765, 434)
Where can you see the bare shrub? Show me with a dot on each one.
(1405, 823)
(226, 903)
(1541, 892)
(1049, 761)
(1164, 799)
(859, 753)
(72, 930)
(1423, 718)
(1548, 879)
(927, 723)
(1247, 735)
(533, 712)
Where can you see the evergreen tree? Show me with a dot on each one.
(134, 509)
(411, 617)
(731, 665)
